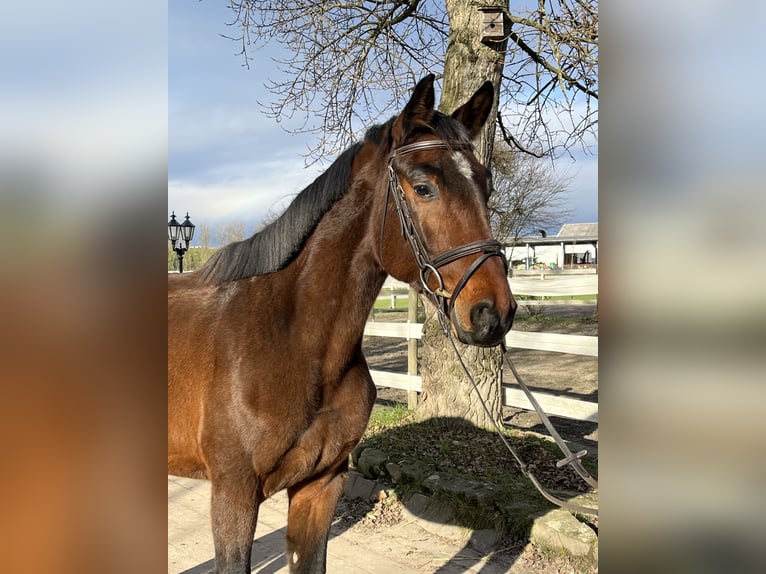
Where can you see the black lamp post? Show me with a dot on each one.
(182, 232)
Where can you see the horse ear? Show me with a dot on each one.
(475, 112)
(418, 110)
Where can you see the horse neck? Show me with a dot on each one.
(338, 273)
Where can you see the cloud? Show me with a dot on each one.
(205, 138)
(250, 195)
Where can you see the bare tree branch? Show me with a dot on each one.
(527, 195)
(512, 141)
(353, 62)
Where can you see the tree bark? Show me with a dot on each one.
(469, 63)
(447, 392)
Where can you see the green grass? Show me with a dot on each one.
(543, 320)
(383, 417)
(401, 303)
(556, 297)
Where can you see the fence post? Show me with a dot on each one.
(412, 346)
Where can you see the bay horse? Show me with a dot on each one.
(268, 388)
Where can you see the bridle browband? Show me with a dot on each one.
(429, 266)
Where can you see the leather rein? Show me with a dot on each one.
(429, 266)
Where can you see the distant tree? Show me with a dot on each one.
(271, 216)
(172, 258)
(527, 195)
(230, 232)
(204, 236)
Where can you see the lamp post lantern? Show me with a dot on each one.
(182, 234)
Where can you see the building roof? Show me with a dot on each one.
(570, 233)
(578, 230)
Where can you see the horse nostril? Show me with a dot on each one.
(484, 318)
(488, 326)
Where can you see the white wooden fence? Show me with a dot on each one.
(566, 285)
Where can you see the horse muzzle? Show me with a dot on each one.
(488, 324)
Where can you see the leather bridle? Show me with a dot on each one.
(429, 266)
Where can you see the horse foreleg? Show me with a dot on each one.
(234, 512)
(312, 506)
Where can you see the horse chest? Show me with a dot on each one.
(328, 436)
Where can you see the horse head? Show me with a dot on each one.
(438, 191)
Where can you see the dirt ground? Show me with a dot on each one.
(426, 552)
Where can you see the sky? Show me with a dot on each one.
(227, 160)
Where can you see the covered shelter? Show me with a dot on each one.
(575, 245)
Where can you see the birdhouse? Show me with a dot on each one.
(493, 24)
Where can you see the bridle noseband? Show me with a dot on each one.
(429, 266)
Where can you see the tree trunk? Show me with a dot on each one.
(447, 392)
(469, 63)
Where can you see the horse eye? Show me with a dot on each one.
(423, 190)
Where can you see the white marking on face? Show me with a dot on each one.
(463, 165)
(295, 558)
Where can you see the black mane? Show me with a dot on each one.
(277, 245)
